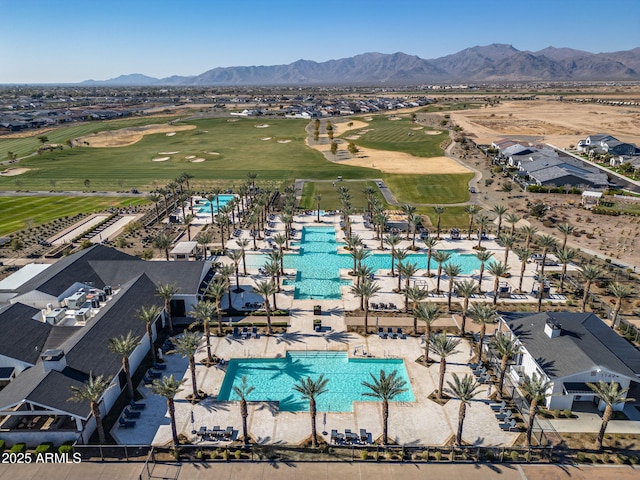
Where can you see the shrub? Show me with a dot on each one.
(19, 448)
(594, 458)
(515, 456)
(623, 459)
(567, 412)
(200, 454)
(213, 454)
(489, 456)
(437, 456)
(606, 458)
(528, 456)
(226, 454)
(66, 447)
(238, 454)
(581, 457)
(364, 454)
(425, 454)
(556, 413)
(44, 448)
(1, 446)
(633, 460)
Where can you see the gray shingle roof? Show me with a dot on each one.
(20, 334)
(585, 343)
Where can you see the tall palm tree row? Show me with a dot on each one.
(441, 257)
(310, 389)
(438, 211)
(498, 270)
(169, 387)
(415, 294)
(483, 257)
(610, 394)
(507, 347)
(385, 387)
(265, 290)
(471, 211)
(430, 243)
(483, 314)
(392, 241)
(466, 289)
(243, 391)
(537, 389)
(524, 254)
(148, 315)
(203, 313)
(589, 274)
(620, 291)
(365, 291)
(428, 313)
(188, 345)
(166, 291)
(464, 388)
(452, 270)
(499, 210)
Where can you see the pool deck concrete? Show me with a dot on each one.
(419, 422)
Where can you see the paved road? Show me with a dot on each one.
(317, 471)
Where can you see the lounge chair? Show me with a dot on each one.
(228, 433)
(504, 416)
(334, 436)
(236, 332)
(245, 333)
(498, 406)
(160, 366)
(137, 406)
(391, 333)
(147, 380)
(131, 414)
(153, 374)
(126, 423)
(202, 432)
(254, 332)
(364, 436)
(509, 426)
(400, 333)
(381, 333)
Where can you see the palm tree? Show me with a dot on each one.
(466, 290)
(162, 242)
(508, 241)
(566, 230)
(166, 291)
(589, 273)
(443, 346)
(471, 210)
(542, 281)
(536, 388)
(452, 270)
(169, 387)
(124, 346)
(483, 314)
(272, 269)
(385, 388)
(438, 211)
(155, 198)
(524, 254)
(92, 391)
(441, 257)
(610, 394)
(529, 232)
(265, 289)
(565, 255)
(428, 313)
(483, 257)
(203, 313)
(243, 391)
(222, 221)
(236, 256)
(243, 243)
(482, 222)
(430, 243)
(187, 345)
(400, 255)
(408, 210)
(415, 220)
(464, 388)
(148, 314)
(409, 269)
(317, 198)
(359, 255)
(203, 240)
(513, 218)
(210, 198)
(226, 271)
(498, 270)
(415, 294)
(620, 292)
(216, 291)
(392, 241)
(187, 220)
(547, 242)
(310, 389)
(507, 347)
(365, 291)
(499, 210)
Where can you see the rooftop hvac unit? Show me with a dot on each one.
(83, 315)
(55, 316)
(76, 300)
(108, 290)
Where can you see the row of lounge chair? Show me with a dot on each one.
(216, 433)
(154, 372)
(350, 437)
(131, 413)
(390, 333)
(245, 333)
(481, 373)
(237, 233)
(504, 416)
(383, 306)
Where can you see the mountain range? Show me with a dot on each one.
(490, 63)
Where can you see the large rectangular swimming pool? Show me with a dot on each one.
(273, 379)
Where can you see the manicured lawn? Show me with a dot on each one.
(452, 217)
(397, 135)
(17, 210)
(330, 200)
(439, 189)
(235, 148)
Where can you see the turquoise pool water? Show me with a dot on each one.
(207, 206)
(318, 264)
(273, 379)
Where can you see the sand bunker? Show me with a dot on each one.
(341, 127)
(432, 132)
(211, 153)
(12, 172)
(189, 157)
(266, 138)
(368, 119)
(171, 134)
(232, 120)
(394, 118)
(353, 137)
(167, 153)
(284, 141)
(160, 159)
(262, 125)
(126, 136)
(197, 160)
(417, 128)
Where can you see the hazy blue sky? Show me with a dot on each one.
(73, 40)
